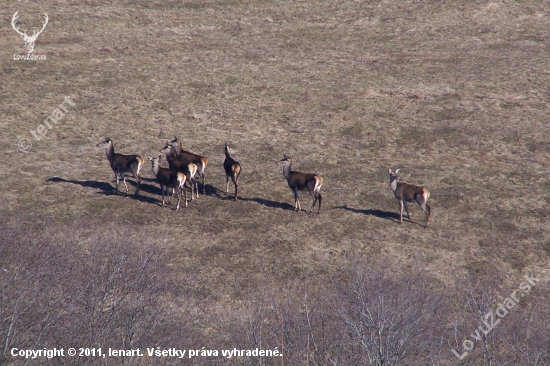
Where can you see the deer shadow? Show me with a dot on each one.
(109, 190)
(393, 216)
(378, 213)
(211, 191)
(219, 193)
(105, 187)
(267, 203)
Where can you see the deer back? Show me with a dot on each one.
(231, 166)
(193, 158)
(176, 163)
(170, 177)
(300, 180)
(408, 192)
(123, 163)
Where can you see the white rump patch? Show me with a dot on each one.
(318, 185)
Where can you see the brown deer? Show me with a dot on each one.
(302, 182)
(169, 178)
(406, 193)
(232, 169)
(200, 161)
(122, 164)
(186, 167)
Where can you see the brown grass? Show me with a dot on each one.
(454, 94)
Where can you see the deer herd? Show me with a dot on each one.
(183, 166)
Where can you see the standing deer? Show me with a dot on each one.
(200, 161)
(232, 169)
(29, 40)
(186, 167)
(406, 193)
(122, 164)
(301, 182)
(169, 178)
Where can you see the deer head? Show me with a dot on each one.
(29, 40)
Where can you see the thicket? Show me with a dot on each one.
(118, 290)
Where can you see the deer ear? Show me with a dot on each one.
(150, 157)
(397, 171)
(389, 170)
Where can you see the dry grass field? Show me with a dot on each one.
(453, 93)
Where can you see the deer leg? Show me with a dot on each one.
(203, 180)
(117, 178)
(312, 193)
(185, 193)
(227, 184)
(138, 184)
(179, 198)
(195, 184)
(135, 173)
(313, 205)
(297, 206)
(192, 182)
(187, 182)
(235, 181)
(407, 210)
(169, 196)
(427, 210)
(319, 197)
(401, 211)
(124, 181)
(196, 187)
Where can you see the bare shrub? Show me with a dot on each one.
(114, 289)
(30, 283)
(57, 293)
(390, 318)
(518, 336)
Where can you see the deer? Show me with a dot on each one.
(169, 178)
(406, 193)
(200, 161)
(121, 164)
(302, 182)
(29, 40)
(232, 169)
(186, 167)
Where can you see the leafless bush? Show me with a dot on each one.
(60, 289)
(391, 318)
(518, 336)
(301, 325)
(370, 316)
(57, 293)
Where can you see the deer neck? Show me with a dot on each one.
(227, 154)
(110, 151)
(393, 183)
(178, 149)
(287, 169)
(170, 154)
(156, 168)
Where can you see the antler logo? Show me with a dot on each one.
(29, 40)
